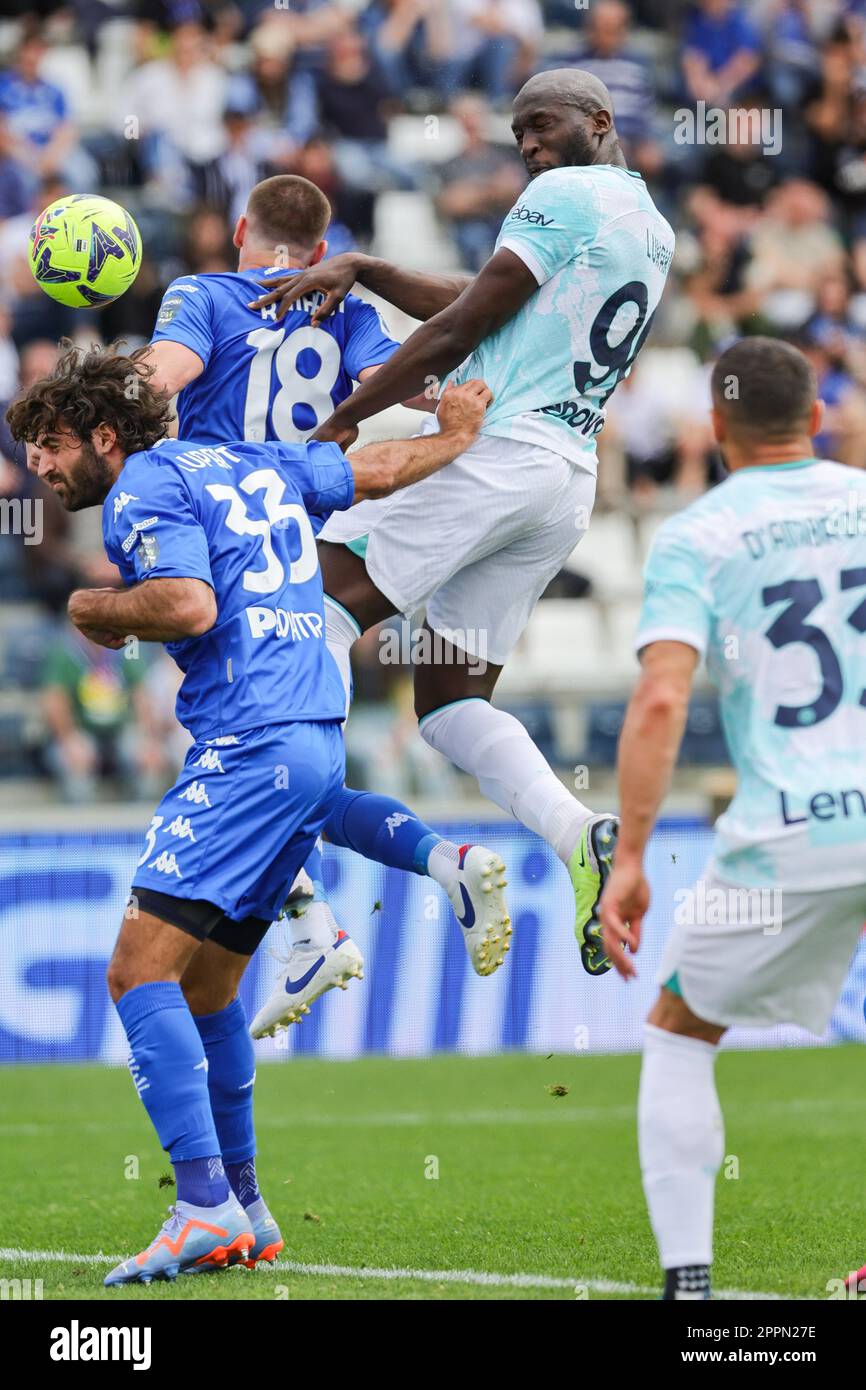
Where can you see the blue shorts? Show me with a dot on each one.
(242, 817)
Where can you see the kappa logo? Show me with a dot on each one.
(181, 829)
(166, 863)
(196, 792)
(524, 214)
(394, 822)
(209, 759)
(122, 500)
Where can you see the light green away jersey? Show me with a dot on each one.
(766, 576)
(600, 252)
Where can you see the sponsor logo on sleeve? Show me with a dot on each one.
(129, 543)
(168, 309)
(536, 219)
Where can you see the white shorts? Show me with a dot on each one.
(752, 958)
(477, 543)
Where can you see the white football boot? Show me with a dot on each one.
(479, 906)
(308, 972)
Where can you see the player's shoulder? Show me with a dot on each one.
(832, 475)
(190, 285)
(702, 528)
(146, 466)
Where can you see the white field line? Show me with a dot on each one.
(427, 1276)
(557, 1113)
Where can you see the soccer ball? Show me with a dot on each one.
(84, 250)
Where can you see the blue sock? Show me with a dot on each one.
(169, 1071)
(202, 1182)
(244, 1183)
(380, 828)
(231, 1072)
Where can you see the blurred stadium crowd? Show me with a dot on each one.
(398, 110)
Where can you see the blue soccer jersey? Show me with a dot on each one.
(766, 577)
(242, 518)
(264, 378)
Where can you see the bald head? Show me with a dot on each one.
(565, 118)
(567, 87)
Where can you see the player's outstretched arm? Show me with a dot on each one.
(380, 469)
(157, 610)
(648, 749)
(499, 290)
(174, 365)
(418, 294)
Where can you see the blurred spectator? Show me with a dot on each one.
(479, 185)
(659, 418)
(721, 52)
(827, 99)
(37, 563)
(606, 52)
(353, 208)
(843, 432)
(208, 249)
(409, 42)
(177, 102)
(791, 56)
(14, 186)
(839, 323)
(40, 134)
(493, 44)
(226, 181)
(350, 110)
(99, 716)
(716, 278)
(740, 171)
(793, 248)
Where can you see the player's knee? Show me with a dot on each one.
(671, 1013)
(207, 997)
(120, 977)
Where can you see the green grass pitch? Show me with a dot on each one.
(529, 1183)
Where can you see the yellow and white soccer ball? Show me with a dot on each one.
(84, 250)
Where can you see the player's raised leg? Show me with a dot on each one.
(387, 832)
(321, 956)
(210, 984)
(452, 701)
(207, 1227)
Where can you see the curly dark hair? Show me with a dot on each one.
(90, 387)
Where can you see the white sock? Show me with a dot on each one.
(315, 926)
(442, 864)
(497, 750)
(681, 1139)
(341, 633)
